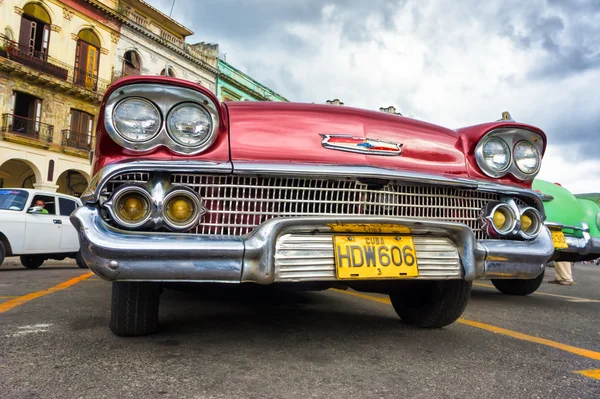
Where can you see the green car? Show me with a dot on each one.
(573, 221)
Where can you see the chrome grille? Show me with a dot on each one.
(125, 178)
(303, 257)
(237, 204)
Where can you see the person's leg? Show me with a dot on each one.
(563, 272)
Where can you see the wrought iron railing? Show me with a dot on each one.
(40, 61)
(76, 140)
(27, 127)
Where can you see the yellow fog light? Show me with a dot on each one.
(182, 209)
(499, 219)
(526, 222)
(531, 223)
(131, 206)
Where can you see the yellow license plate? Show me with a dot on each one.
(558, 239)
(374, 257)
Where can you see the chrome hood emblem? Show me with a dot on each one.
(361, 145)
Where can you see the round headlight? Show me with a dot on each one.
(496, 155)
(136, 119)
(189, 124)
(527, 157)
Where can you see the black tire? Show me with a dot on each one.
(134, 309)
(431, 304)
(519, 287)
(32, 261)
(2, 253)
(80, 262)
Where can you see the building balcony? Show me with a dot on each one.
(14, 126)
(35, 59)
(42, 67)
(72, 140)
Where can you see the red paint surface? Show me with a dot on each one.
(288, 133)
(272, 132)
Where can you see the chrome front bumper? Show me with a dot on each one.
(584, 246)
(448, 250)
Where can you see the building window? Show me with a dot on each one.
(34, 36)
(25, 113)
(131, 64)
(87, 59)
(168, 72)
(79, 131)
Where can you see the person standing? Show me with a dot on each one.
(564, 275)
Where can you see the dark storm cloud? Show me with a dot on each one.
(567, 31)
(252, 20)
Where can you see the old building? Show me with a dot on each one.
(151, 43)
(57, 58)
(390, 110)
(56, 61)
(335, 101)
(235, 85)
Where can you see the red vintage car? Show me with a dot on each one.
(187, 189)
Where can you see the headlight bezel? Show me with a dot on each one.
(479, 154)
(512, 136)
(164, 98)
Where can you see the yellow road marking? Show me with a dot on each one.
(497, 330)
(571, 298)
(18, 301)
(595, 374)
(384, 300)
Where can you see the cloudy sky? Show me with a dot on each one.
(453, 63)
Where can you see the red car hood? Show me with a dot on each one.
(291, 133)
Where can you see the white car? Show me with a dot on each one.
(35, 225)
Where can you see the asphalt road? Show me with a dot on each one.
(226, 343)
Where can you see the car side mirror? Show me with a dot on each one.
(35, 209)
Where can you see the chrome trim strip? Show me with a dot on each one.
(559, 226)
(165, 98)
(365, 172)
(119, 255)
(356, 172)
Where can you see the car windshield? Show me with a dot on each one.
(13, 200)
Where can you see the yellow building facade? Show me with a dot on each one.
(56, 61)
(57, 58)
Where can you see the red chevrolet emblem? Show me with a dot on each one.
(361, 145)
